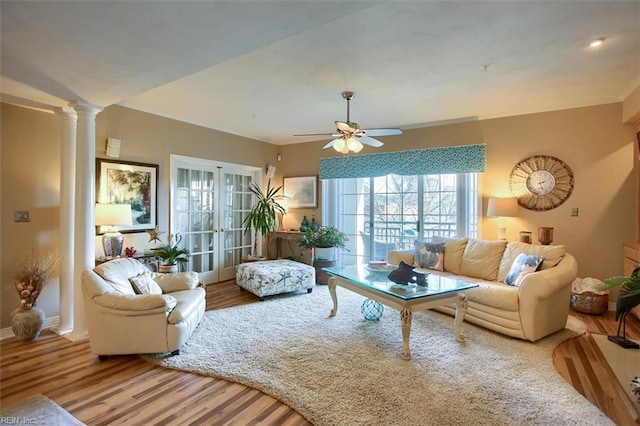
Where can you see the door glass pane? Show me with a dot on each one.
(196, 222)
(196, 179)
(183, 178)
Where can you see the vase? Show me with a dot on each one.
(165, 269)
(304, 225)
(545, 235)
(26, 323)
(314, 224)
(324, 253)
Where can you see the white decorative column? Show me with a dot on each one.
(84, 249)
(68, 121)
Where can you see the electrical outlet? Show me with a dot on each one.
(22, 216)
(574, 211)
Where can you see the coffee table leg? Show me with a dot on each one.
(332, 291)
(461, 310)
(405, 317)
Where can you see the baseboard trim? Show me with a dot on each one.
(50, 322)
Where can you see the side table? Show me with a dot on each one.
(321, 276)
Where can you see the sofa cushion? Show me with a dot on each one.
(118, 271)
(496, 295)
(481, 258)
(429, 255)
(552, 256)
(176, 281)
(453, 250)
(144, 284)
(523, 265)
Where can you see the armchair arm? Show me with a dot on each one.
(396, 256)
(135, 304)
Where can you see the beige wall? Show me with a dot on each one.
(31, 165)
(592, 141)
(30, 171)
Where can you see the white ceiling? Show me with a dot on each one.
(269, 69)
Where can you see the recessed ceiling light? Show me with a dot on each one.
(596, 42)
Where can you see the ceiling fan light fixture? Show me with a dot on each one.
(354, 145)
(339, 145)
(596, 42)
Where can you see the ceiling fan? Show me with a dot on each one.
(349, 137)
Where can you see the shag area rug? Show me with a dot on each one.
(37, 410)
(346, 370)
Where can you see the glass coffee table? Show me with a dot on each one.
(372, 282)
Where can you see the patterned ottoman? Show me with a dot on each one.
(269, 277)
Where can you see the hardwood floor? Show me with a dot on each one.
(580, 362)
(127, 390)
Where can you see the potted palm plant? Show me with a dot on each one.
(172, 255)
(263, 215)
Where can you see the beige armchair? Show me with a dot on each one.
(122, 321)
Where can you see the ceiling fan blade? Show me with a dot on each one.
(383, 132)
(315, 134)
(346, 127)
(370, 141)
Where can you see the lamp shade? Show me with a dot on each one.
(113, 214)
(502, 207)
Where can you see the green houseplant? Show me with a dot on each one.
(172, 254)
(325, 237)
(628, 298)
(262, 217)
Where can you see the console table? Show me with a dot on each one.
(286, 235)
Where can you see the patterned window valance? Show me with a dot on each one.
(434, 161)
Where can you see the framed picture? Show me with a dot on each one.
(301, 191)
(123, 182)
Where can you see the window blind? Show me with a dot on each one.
(456, 159)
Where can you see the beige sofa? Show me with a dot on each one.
(536, 308)
(123, 322)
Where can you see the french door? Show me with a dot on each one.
(209, 201)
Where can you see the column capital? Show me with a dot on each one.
(65, 112)
(85, 107)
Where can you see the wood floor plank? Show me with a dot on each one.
(127, 390)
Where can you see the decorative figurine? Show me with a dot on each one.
(154, 235)
(405, 275)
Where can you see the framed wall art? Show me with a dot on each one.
(301, 191)
(124, 182)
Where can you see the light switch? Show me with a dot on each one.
(22, 216)
(574, 211)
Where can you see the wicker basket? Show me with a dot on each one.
(590, 303)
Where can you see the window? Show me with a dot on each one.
(390, 212)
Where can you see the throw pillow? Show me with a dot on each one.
(453, 248)
(523, 265)
(429, 255)
(144, 284)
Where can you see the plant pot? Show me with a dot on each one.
(165, 269)
(324, 253)
(26, 323)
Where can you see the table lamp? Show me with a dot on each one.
(285, 205)
(112, 215)
(502, 207)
